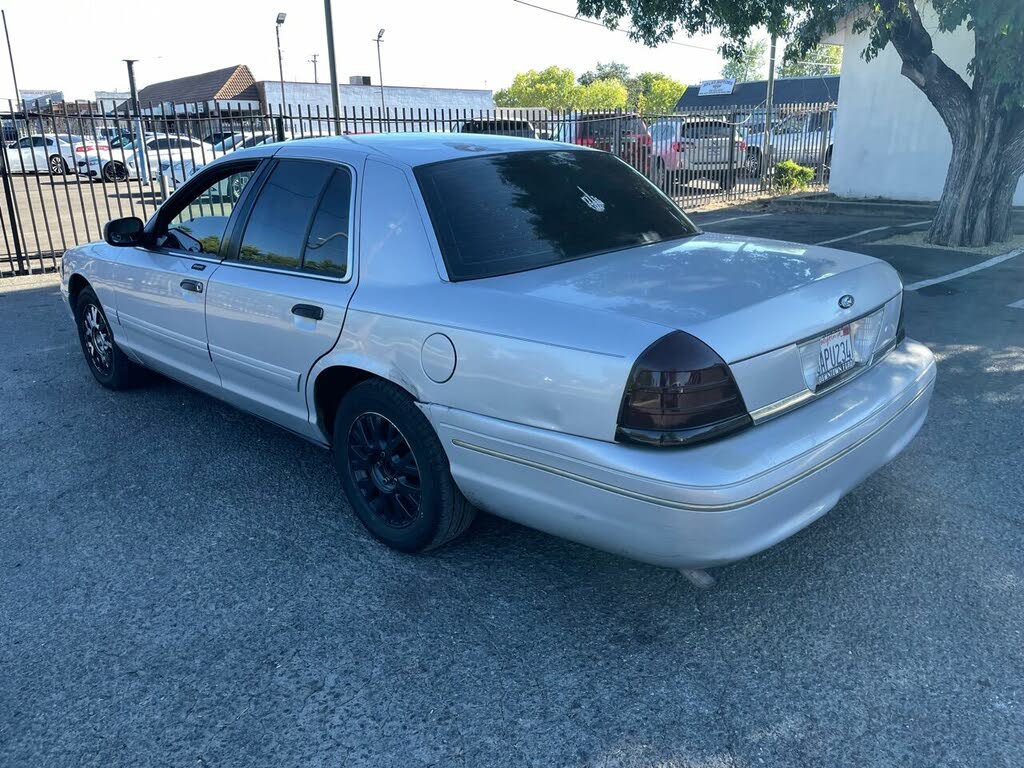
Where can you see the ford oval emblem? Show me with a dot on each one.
(845, 302)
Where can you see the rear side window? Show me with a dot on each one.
(708, 131)
(276, 232)
(327, 244)
(300, 219)
(506, 213)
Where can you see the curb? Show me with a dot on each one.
(819, 203)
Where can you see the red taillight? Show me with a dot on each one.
(645, 138)
(585, 141)
(743, 146)
(680, 392)
(678, 146)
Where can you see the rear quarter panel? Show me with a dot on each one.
(522, 359)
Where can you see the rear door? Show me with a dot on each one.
(277, 304)
(161, 291)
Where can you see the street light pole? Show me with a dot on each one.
(280, 61)
(313, 62)
(329, 22)
(140, 140)
(380, 77)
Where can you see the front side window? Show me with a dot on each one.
(506, 213)
(200, 224)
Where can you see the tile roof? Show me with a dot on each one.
(232, 83)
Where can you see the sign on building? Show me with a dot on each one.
(721, 87)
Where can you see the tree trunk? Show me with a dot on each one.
(975, 208)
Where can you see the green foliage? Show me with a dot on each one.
(819, 60)
(613, 70)
(998, 26)
(790, 176)
(652, 93)
(748, 63)
(608, 86)
(600, 94)
(551, 88)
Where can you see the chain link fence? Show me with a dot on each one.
(70, 168)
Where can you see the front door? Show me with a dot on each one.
(277, 303)
(161, 291)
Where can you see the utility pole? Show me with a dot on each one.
(313, 62)
(332, 65)
(769, 164)
(140, 140)
(380, 76)
(12, 213)
(280, 61)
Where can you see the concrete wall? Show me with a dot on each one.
(360, 100)
(889, 140)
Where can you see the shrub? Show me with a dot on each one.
(790, 176)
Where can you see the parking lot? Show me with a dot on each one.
(183, 585)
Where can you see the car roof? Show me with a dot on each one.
(415, 149)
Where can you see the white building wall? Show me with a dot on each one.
(889, 141)
(362, 103)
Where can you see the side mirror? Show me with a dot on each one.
(123, 232)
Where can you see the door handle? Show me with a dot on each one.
(192, 285)
(308, 310)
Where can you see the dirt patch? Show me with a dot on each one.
(916, 240)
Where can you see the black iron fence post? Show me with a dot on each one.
(12, 212)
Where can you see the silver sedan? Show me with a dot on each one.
(517, 326)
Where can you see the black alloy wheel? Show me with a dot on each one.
(385, 470)
(394, 470)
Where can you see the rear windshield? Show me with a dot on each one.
(507, 213)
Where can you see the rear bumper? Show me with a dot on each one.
(700, 506)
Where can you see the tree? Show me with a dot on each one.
(613, 70)
(551, 88)
(652, 93)
(985, 118)
(819, 60)
(747, 63)
(601, 94)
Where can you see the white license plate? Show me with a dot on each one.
(835, 354)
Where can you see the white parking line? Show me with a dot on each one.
(875, 229)
(966, 271)
(1017, 305)
(735, 218)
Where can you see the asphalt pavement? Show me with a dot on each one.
(182, 585)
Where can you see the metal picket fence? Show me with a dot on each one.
(68, 169)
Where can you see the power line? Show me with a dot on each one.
(610, 29)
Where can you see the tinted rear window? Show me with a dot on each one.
(507, 213)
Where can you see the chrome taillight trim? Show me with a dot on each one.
(884, 344)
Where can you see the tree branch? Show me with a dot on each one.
(951, 96)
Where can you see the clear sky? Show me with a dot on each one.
(77, 46)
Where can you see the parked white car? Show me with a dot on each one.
(122, 159)
(528, 328)
(686, 148)
(43, 153)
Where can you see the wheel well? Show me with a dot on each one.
(75, 286)
(328, 389)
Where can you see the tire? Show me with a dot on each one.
(659, 175)
(109, 365)
(753, 164)
(727, 180)
(394, 470)
(827, 167)
(58, 165)
(115, 171)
